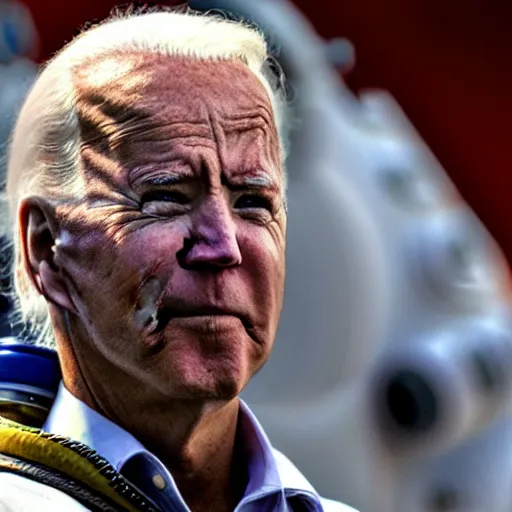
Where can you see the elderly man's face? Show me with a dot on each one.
(175, 259)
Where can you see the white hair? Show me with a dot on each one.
(44, 156)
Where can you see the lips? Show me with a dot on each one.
(170, 311)
(205, 311)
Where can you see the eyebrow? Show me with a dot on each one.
(257, 181)
(262, 181)
(169, 180)
(159, 177)
(238, 182)
(163, 180)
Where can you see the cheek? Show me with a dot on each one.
(263, 256)
(106, 275)
(267, 244)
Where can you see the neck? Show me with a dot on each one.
(197, 442)
(196, 439)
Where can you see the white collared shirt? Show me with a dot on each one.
(275, 484)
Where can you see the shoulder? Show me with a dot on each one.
(292, 478)
(20, 494)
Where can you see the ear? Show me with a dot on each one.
(39, 232)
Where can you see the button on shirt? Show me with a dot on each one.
(275, 484)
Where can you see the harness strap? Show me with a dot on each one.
(69, 466)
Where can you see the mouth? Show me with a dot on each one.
(167, 314)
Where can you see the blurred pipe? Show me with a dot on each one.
(428, 396)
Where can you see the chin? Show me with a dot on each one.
(217, 387)
(200, 363)
(225, 375)
(193, 375)
(228, 389)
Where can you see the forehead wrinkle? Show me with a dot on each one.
(256, 120)
(228, 86)
(148, 76)
(248, 150)
(118, 111)
(108, 93)
(111, 123)
(99, 168)
(161, 132)
(98, 130)
(259, 117)
(148, 156)
(122, 139)
(189, 102)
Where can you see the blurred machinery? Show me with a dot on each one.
(18, 43)
(28, 375)
(391, 376)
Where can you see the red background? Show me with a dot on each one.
(448, 62)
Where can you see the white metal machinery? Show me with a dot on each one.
(390, 379)
(17, 73)
(18, 39)
(16, 78)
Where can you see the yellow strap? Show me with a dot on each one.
(26, 443)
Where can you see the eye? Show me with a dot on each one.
(164, 196)
(253, 201)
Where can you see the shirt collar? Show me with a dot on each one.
(70, 417)
(269, 467)
(269, 470)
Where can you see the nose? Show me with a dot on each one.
(213, 242)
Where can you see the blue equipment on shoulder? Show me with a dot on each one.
(29, 379)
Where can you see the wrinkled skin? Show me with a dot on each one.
(144, 256)
(166, 280)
